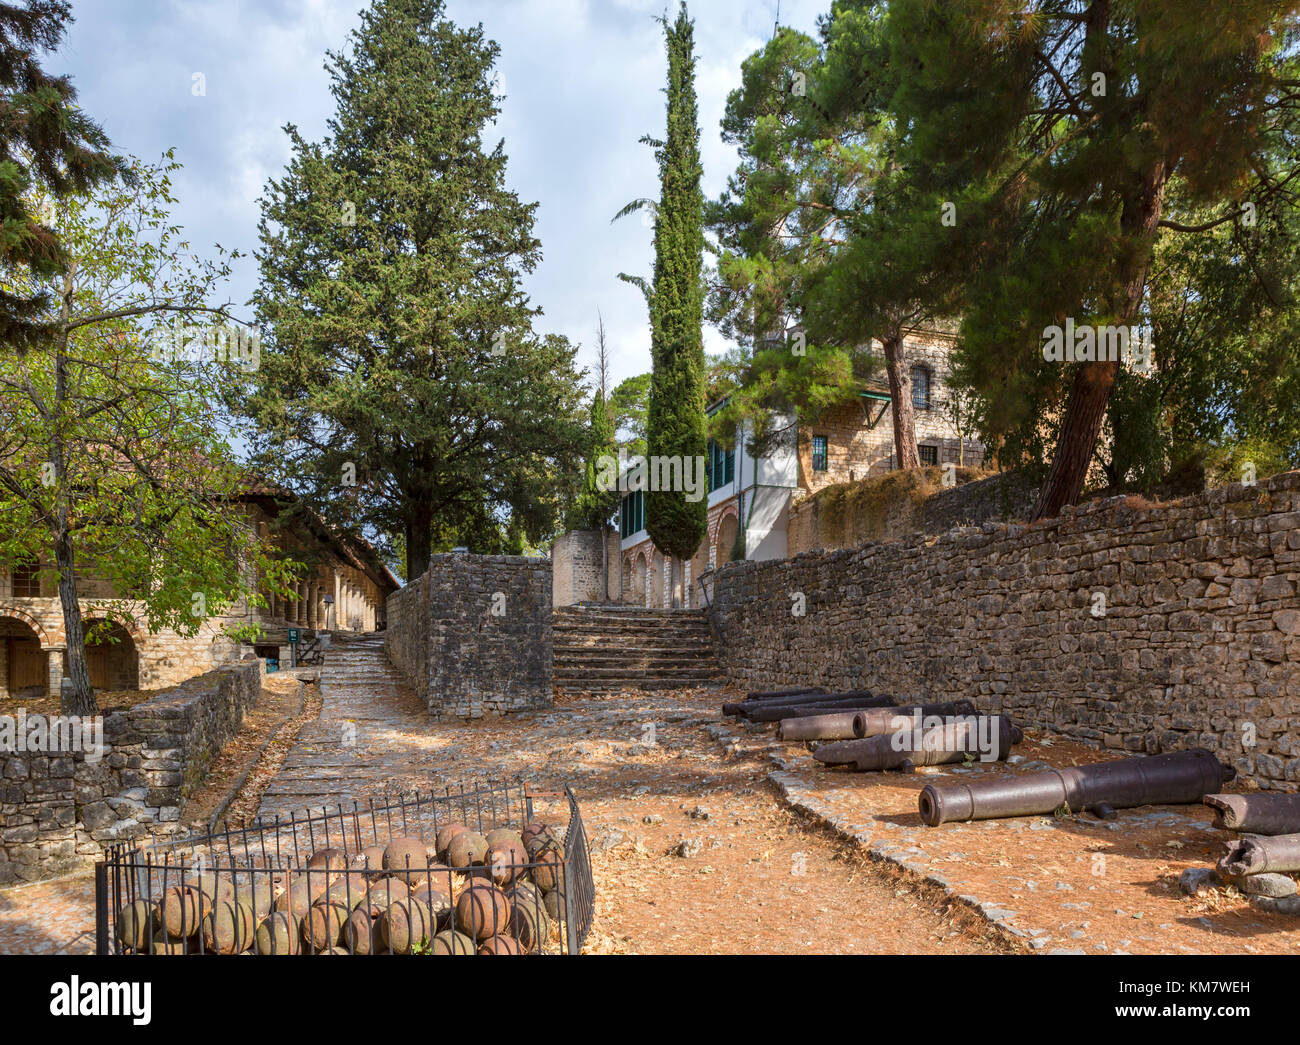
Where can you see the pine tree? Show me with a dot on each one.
(1078, 133)
(402, 389)
(49, 149)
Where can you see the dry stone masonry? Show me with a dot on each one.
(58, 809)
(1135, 626)
(473, 634)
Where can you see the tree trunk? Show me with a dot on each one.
(419, 539)
(1085, 410)
(900, 401)
(79, 698)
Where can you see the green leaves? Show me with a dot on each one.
(399, 340)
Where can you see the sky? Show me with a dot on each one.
(218, 80)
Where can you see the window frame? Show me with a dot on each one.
(825, 453)
(927, 401)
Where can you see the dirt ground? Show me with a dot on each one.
(1078, 882)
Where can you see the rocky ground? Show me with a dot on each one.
(711, 837)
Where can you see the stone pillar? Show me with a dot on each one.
(54, 668)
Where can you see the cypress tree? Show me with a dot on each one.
(676, 423)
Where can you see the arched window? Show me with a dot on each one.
(920, 388)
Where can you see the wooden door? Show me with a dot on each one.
(26, 665)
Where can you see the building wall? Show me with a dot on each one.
(1138, 627)
(860, 436)
(892, 506)
(473, 634)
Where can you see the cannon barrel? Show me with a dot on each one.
(1256, 814)
(1172, 779)
(935, 743)
(772, 698)
(1256, 854)
(777, 694)
(875, 721)
(849, 703)
(832, 726)
(803, 700)
(870, 722)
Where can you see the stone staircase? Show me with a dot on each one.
(615, 649)
(346, 753)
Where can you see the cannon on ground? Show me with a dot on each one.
(1256, 814)
(1177, 778)
(923, 742)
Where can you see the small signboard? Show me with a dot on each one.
(293, 636)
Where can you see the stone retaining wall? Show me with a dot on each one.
(473, 634)
(58, 809)
(1135, 626)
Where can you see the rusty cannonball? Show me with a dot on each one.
(371, 858)
(278, 934)
(530, 925)
(503, 834)
(328, 860)
(537, 833)
(361, 932)
(482, 911)
(405, 925)
(137, 923)
(549, 870)
(499, 945)
(451, 943)
(296, 899)
(438, 902)
(229, 929)
(403, 856)
(322, 926)
(164, 944)
(506, 861)
(467, 849)
(554, 903)
(179, 911)
(445, 834)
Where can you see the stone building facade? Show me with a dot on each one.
(1135, 626)
(758, 494)
(345, 589)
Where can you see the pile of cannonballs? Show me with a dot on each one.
(467, 893)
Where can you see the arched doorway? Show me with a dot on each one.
(726, 539)
(25, 671)
(111, 657)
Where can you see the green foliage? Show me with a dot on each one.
(111, 453)
(399, 339)
(594, 506)
(49, 151)
(675, 420)
(627, 408)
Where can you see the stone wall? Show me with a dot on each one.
(893, 506)
(576, 567)
(1135, 626)
(473, 634)
(59, 809)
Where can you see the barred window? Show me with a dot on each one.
(920, 388)
(929, 455)
(820, 456)
(26, 580)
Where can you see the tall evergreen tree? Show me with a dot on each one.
(676, 425)
(49, 150)
(402, 388)
(1066, 127)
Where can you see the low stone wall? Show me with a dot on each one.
(473, 634)
(1135, 626)
(58, 809)
(893, 506)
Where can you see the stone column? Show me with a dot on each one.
(54, 667)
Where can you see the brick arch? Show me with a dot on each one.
(30, 621)
(722, 548)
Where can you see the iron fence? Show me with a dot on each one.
(358, 878)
